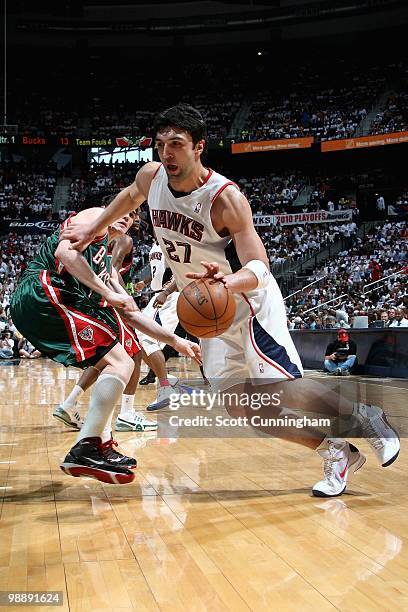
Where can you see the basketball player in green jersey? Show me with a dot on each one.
(121, 252)
(66, 305)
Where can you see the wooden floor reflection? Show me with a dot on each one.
(208, 524)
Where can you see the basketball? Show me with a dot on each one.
(206, 308)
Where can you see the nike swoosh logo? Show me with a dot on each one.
(95, 461)
(342, 474)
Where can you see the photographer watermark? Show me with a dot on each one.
(254, 401)
(254, 421)
(199, 398)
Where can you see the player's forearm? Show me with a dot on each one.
(122, 204)
(170, 287)
(76, 265)
(241, 281)
(149, 327)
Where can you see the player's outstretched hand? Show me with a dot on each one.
(79, 236)
(120, 300)
(212, 270)
(188, 349)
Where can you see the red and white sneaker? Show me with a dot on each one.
(113, 456)
(340, 459)
(87, 458)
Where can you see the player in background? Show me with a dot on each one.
(68, 305)
(161, 308)
(121, 252)
(203, 221)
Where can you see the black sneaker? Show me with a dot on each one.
(116, 458)
(149, 379)
(87, 458)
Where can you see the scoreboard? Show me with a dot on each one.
(96, 141)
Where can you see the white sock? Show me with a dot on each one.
(127, 404)
(107, 430)
(105, 394)
(69, 403)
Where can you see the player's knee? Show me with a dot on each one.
(119, 361)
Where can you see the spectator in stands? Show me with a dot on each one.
(26, 350)
(6, 345)
(400, 320)
(391, 317)
(384, 318)
(341, 355)
(381, 206)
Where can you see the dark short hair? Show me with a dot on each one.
(184, 117)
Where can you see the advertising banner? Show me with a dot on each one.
(377, 140)
(272, 145)
(320, 216)
(34, 226)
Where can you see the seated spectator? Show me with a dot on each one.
(6, 345)
(26, 350)
(341, 355)
(400, 320)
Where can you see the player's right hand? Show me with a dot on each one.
(79, 236)
(188, 349)
(212, 270)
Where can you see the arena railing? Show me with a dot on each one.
(381, 280)
(305, 287)
(339, 299)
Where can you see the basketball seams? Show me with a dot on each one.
(196, 309)
(211, 300)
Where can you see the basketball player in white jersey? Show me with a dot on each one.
(165, 314)
(199, 217)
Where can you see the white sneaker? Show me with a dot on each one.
(383, 439)
(163, 395)
(134, 421)
(70, 419)
(340, 458)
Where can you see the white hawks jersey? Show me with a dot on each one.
(157, 263)
(184, 228)
(257, 345)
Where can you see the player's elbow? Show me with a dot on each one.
(63, 253)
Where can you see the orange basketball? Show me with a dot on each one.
(206, 308)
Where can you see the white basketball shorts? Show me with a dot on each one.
(166, 316)
(257, 345)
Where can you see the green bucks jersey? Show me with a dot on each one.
(96, 255)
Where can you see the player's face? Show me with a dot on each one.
(177, 153)
(122, 225)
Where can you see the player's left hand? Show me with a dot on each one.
(188, 349)
(212, 270)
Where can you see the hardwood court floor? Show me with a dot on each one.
(208, 524)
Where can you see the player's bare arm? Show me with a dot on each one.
(77, 266)
(231, 215)
(121, 248)
(130, 198)
(169, 288)
(149, 327)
